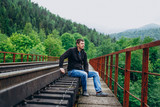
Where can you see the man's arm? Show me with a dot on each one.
(85, 63)
(62, 57)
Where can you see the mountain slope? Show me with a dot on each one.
(14, 14)
(151, 30)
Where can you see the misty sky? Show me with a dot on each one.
(106, 16)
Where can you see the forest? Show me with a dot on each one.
(152, 32)
(26, 27)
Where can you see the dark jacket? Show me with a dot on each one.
(75, 61)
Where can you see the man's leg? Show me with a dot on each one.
(83, 75)
(97, 83)
(96, 80)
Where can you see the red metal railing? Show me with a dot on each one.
(21, 57)
(100, 62)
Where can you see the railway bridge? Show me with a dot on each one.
(28, 80)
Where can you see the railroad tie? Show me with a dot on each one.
(60, 93)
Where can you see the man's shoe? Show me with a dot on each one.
(85, 94)
(102, 94)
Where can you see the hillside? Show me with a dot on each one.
(151, 30)
(14, 14)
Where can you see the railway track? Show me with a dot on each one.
(9, 67)
(41, 86)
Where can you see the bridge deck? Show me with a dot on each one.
(93, 101)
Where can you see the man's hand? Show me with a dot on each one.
(62, 70)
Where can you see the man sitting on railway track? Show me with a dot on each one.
(78, 67)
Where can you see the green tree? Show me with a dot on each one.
(22, 43)
(42, 35)
(77, 36)
(34, 36)
(91, 52)
(7, 46)
(86, 43)
(105, 48)
(53, 47)
(136, 41)
(157, 66)
(27, 29)
(3, 37)
(147, 39)
(123, 42)
(54, 34)
(39, 49)
(68, 41)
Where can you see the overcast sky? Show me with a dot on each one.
(106, 16)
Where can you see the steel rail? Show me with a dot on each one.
(16, 86)
(18, 66)
(21, 63)
(11, 78)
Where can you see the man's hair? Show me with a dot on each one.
(79, 40)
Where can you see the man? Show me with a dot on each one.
(78, 67)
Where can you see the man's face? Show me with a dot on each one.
(81, 45)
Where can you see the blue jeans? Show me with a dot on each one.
(83, 75)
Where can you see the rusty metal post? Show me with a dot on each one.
(4, 58)
(36, 57)
(101, 62)
(98, 65)
(39, 58)
(21, 57)
(14, 56)
(107, 60)
(110, 80)
(144, 90)
(103, 66)
(42, 58)
(127, 79)
(27, 58)
(48, 59)
(116, 75)
(32, 58)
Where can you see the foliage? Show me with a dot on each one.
(7, 46)
(34, 37)
(86, 43)
(53, 47)
(16, 15)
(42, 35)
(68, 41)
(54, 34)
(22, 43)
(3, 37)
(106, 47)
(92, 52)
(77, 36)
(27, 29)
(39, 49)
